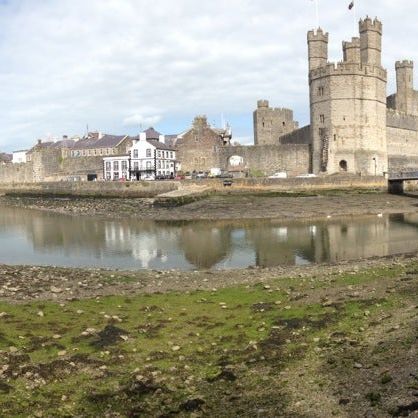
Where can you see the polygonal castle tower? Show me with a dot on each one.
(348, 104)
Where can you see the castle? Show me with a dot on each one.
(355, 128)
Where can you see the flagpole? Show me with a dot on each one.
(355, 16)
(317, 12)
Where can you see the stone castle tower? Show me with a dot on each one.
(271, 123)
(348, 104)
(405, 99)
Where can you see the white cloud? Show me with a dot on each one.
(138, 120)
(68, 63)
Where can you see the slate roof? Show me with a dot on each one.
(152, 133)
(106, 141)
(160, 145)
(171, 140)
(5, 158)
(65, 143)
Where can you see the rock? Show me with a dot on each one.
(191, 405)
(176, 348)
(56, 289)
(358, 366)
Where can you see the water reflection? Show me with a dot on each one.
(34, 237)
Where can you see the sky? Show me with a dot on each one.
(119, 66)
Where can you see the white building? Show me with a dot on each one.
(19, 156)
(148, 158)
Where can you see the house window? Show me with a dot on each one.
(135, 153)
(108, 176)
(136, 165)
(149, 166)
(320, 91)
(322, 118)
(159, 153)
(171, 154)
(115, 165)
(116, 176)
(108, 166)
(148, 152)
(321, 132)
(124, 165)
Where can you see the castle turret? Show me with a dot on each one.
(371, 41)
(271, 123)
(406, 98)
(351, 51)
(317, 49)
(404, 75)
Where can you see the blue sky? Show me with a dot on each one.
(117, 65)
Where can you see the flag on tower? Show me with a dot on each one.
(351, 5)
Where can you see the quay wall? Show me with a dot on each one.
(137, 189)
(155, 188)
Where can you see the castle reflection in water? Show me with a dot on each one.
(35, 237)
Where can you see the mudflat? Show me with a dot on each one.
(317, 341)
(232, 206)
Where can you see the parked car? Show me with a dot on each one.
(201, 175)
(307, 176)
(187, 175)
(278, 175)
(180, 177)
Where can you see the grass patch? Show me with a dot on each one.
(216, 352)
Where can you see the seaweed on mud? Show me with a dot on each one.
(110, 335)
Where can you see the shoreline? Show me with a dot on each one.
(227, 207)
(26, 283)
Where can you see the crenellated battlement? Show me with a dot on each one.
(263, 104)
(401, 120)
(355, 43)
(371, 25)
(404, 64)
(318, 35)
(348, 68)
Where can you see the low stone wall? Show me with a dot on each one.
(300, 184)
(90, 189)
(154, 188)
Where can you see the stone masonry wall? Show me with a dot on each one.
(402, 139)
(299, 136)
(196, 150)
(22, 173)
(268, 159)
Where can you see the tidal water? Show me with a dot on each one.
(41, 238)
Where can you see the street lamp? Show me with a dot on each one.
(375, 166)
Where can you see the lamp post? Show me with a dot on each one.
(375, 166)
